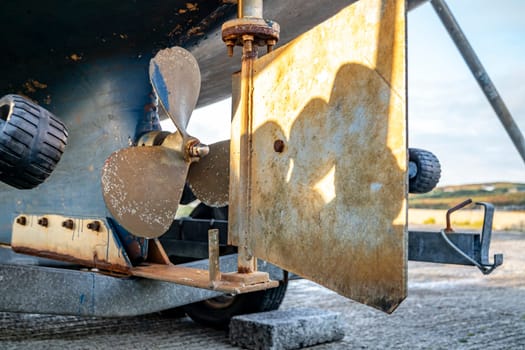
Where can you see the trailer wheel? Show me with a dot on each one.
(217, 312)
(32, 141)
(424, 171)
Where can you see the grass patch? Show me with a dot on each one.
(502, 195)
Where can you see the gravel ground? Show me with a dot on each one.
(448, 307)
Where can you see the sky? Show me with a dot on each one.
(448, 113)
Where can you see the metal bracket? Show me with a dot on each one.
(93, 243)
(483, 264)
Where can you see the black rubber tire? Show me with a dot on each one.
(426, 171)
(32, 141)
(217, 312)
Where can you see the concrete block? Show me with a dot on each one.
(286, 329)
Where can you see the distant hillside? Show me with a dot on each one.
(504, 195)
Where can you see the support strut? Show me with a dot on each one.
(249, 31)
(481, 75)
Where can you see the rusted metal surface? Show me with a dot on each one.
(199, 278)
(249, 32)
(453, 209)
(265, 33)
(246, 258)
(157, 254)
(246, 278)
(76, 244)
(213, 252)
(98, 247)
(209, 177)
(158, 267)
(331, 206)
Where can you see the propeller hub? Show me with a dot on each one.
(198, 150)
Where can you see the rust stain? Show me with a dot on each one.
(75, 57)
(243, 269)
(95, 263)
(32, 85)
(331, 206)
(200, 278)
(192, 6)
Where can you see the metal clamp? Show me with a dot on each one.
(484, 264)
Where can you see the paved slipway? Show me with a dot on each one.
(448, 307)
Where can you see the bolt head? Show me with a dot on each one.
(43, 222)
(278, 146)
(21, 220)
(94, 226)
(69, 224)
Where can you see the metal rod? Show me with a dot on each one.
(246, 259)
(480, 74)
(213, 251)
(453, 209)
(250, 8)
(247, 263)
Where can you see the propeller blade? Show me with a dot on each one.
(209, 178)
(176, 79)
(142, 187)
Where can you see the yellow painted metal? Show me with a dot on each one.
(327, 180)
(87, 242)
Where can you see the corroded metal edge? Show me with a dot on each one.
(89, 242)
(201, 279)
(371, 266)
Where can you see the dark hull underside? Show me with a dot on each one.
(43, 42)
(87, 62)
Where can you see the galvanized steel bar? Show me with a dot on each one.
(250, 8)
(481, 75)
